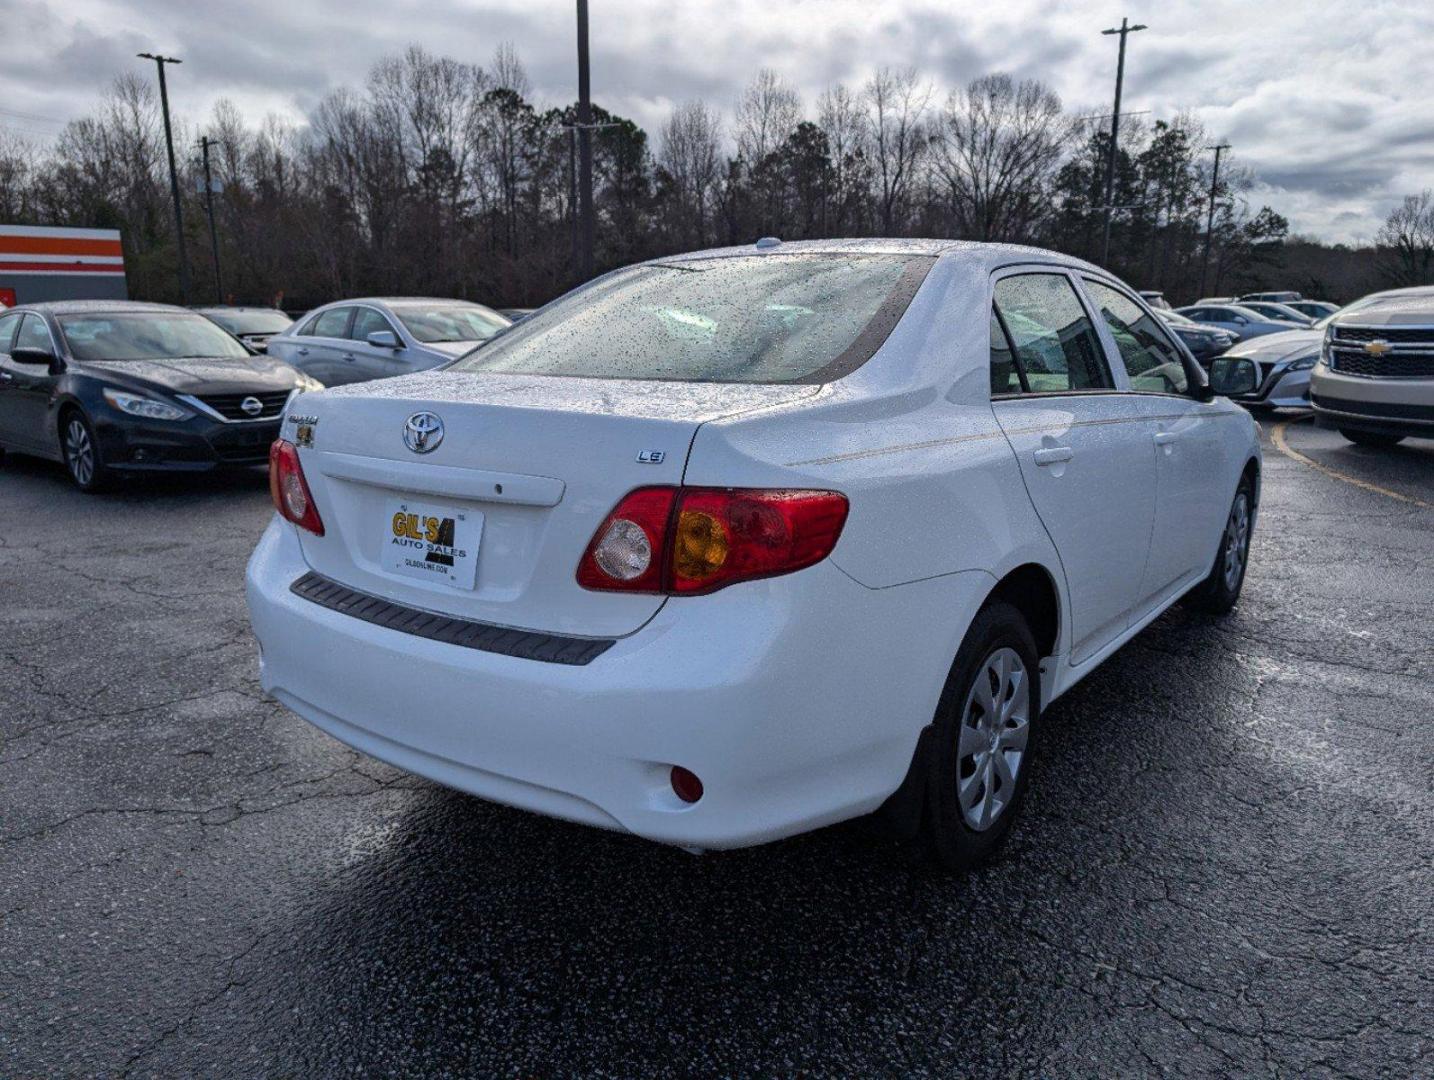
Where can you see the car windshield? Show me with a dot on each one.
(752, 319)
(251, 322)
(146, 335)
(450, 322)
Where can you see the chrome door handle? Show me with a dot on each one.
(5, 376)
(1165, 438)
(348, 356)
(302, 352)
(1053, 455)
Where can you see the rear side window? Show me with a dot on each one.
(1151, 360)
(778, 318)
(1005, 378)
(1055, 344)
(332, 323)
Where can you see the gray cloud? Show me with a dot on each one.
(1333, 124)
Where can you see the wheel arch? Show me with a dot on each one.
(1031, 589)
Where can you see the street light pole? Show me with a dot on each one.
(1210, 217)
(159, 62)
(204, 143)
(1124, 30)
(585, 144)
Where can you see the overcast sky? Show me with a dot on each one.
(1329, 102)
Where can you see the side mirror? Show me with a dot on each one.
(1232, 376)
(37, 357)
(384, 339)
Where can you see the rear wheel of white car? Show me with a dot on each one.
(985, 722)
(1370, 438)
(1217, 594)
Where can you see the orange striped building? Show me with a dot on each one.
(38, 262)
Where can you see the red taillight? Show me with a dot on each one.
(685, 784)
(685, 541)
(289, 489)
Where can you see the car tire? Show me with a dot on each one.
(81, 452)
(979, 764)
(1218, 593)
(1370, 438)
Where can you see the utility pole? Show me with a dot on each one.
(1210, 217)
(159, 62)
(585, 144)
(1124, 31)
(204, 143)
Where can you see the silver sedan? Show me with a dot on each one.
(377, 338)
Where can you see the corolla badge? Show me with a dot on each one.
(422, 432)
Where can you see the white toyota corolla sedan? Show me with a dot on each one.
(728, 546)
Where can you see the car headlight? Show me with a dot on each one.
(149, 408)
(1304, 363)
(307, 383)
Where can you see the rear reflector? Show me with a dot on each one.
(685, 784)
(289, 489)
(686, 541)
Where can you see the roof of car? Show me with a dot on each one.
(236, 307)
(399, 301)
(82, 307)
(989, 255)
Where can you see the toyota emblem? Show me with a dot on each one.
(252, 406)
(422, 432)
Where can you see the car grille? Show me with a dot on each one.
(231, 406)
(1395, 335)
(1412, 355)
(1381, 409)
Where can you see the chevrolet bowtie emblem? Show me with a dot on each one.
(1378, 348)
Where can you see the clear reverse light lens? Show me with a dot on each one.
(624, 552)
(149, 408)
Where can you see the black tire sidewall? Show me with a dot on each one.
(955, 844)
(1212, 595)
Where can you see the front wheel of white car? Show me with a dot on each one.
(985, 726)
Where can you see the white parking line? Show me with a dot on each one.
(1277, 436)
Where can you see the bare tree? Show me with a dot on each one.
(841, 115)
(766, 113)
(1407, 238)
(896, 103)
(689, 155)
(998, 145)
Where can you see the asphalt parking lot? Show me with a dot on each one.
(1227, 867)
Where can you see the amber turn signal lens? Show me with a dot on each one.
(701, 545)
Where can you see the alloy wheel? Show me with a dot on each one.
(995, 727)
(79, 452)
(1237, 541)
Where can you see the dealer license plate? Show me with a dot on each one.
(434, 543)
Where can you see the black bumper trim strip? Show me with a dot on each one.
(485, 637)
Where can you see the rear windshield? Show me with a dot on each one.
(251, 322)
(750, 319)
(146, 336)
(450, 322)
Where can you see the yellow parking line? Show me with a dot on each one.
(1277, 436)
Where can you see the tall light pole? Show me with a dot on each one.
(205, 143)
(585, 144)
(1124, 30)
(1210, 217)
(159, 62)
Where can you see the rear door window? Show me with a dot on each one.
(1055, 344)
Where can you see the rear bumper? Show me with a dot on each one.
(798, 701)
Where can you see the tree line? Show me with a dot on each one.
(441, 177)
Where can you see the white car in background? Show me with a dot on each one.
(379, 338)
(727, 546)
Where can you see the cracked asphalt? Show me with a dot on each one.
(1226, 868)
